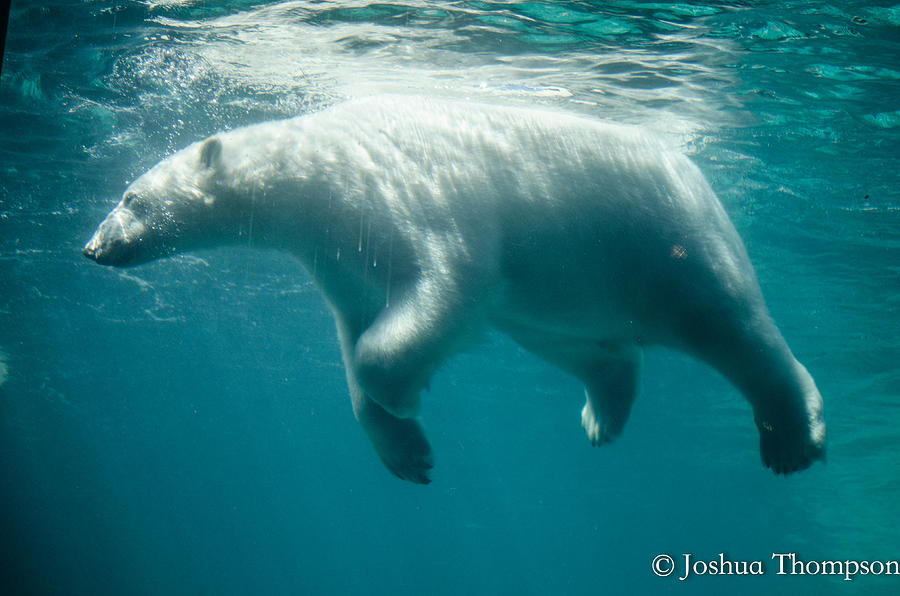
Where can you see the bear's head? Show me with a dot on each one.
(175, 206)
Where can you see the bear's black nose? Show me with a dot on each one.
(90, 253)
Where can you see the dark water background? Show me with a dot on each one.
(183, 427)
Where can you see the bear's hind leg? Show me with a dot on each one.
(790, 421)
(609, 370)
(611, 384)
(750, 351)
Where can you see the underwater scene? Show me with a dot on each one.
(184, 425)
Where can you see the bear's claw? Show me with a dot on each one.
(793, 438)
(598, 431)
(786, 451)
(403, 447)
(412, 466)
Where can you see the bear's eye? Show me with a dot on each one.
(129, 196)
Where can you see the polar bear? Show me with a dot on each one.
(424, 221)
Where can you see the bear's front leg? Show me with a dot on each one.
(395, 357)
(400, 442)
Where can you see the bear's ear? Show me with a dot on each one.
(211, 153)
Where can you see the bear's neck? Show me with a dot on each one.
(292, 190)
(342, 239)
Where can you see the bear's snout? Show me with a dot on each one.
(116, 240)
(115, 252)
(90, 251)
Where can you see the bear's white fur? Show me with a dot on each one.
(424, 220)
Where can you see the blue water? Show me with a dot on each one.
(183, 427)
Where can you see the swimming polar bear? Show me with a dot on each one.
(423, 221)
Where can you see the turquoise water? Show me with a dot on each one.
(183, 427)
